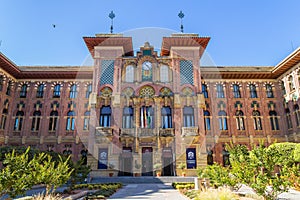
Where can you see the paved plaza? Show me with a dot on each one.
(157, 191)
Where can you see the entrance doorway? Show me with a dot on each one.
(147, 161)
(126, 162)
(167, 158)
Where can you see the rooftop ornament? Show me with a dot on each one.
(181, 15)
(111, 16)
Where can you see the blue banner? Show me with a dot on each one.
(191, 158)
(102, 158)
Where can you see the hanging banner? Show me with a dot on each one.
(191, 158)
(102, 158)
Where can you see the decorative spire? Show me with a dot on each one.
(181, 15)
(111, 16)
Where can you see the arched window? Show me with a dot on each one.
(1, 82)
(220, 91)
(288, 118)
(253, 93)
(23, 91)
(105, 116)
(164, 74)
(236, 91)
(166, 117)
(188, 116)
(256, 120)
(53, 120)
(18, 121)
(3, 118)
(147, 117)
(40, 91)
(8, 89)
(297, 114)
(35, 125)
(70, 121)
(127, 117)
(222, 120)
(86, 120)
(73, 91)
(239, 116)
(129, 75)
(84, 154)
(226, 161)
(56, 91)
(291, 83)
(210, 157)
(283, 88)
(274, 120)
(204, 91)
(269, 91)
(88, 91)
(207, 120)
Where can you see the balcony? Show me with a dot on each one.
(104, 131)
(146, 132)
(127, 132)
(189, 131)
(166, 132)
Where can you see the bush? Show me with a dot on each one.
(183, 185)
(221, 193)
(218, 175)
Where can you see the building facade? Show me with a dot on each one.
(139, 112)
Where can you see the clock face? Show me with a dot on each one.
(147, 71)
(147, 65)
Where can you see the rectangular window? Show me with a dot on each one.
(186, 72)
(107, 72)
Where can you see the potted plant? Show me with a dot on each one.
(182, 166)
(157, 168)
(111, 166)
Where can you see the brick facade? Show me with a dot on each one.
(148, 92)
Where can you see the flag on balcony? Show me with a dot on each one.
(142, 117)
(149, 118)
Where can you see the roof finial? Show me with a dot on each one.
(181, 15)
(112, 16)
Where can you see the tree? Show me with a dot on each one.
(51, 173)
(79, 173)
(21, 172)
(16, 177)
(262, 167)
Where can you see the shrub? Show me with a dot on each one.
(183, 185)
(213, 194)
(218, 176)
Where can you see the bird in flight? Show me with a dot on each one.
(53, 25)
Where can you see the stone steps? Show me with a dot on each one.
(142, 179)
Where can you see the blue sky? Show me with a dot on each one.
(243, 32)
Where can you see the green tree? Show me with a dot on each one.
(23, 170)
(16, 177)
(218, 175)
(263, 167)
(51, 173)
(79, 173)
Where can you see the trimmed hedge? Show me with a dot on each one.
(183, 185)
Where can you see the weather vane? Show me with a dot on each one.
(181, 15)
(111, 16)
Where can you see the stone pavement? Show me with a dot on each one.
(158, 191)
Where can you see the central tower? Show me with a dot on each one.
(146, 109)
